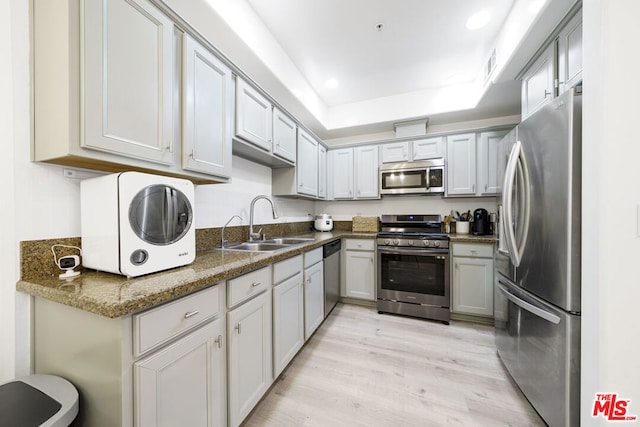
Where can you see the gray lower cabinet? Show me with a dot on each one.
(472, 279)
(288, 312)
(313, 291)
(184, 383)
(151, 368)
(250, 341)
(359, 273)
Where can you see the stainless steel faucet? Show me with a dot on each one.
(253, 236)
(222, 242)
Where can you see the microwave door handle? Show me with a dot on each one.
(426, 178)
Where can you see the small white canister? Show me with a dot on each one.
(323, 222)
(462, 227)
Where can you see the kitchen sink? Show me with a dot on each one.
(268, 245)
(256, 247)
(288, 240)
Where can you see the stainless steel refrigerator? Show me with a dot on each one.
(537, 280)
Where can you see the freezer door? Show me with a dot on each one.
(540, 347)
(550, 263)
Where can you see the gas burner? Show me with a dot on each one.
(418, 231)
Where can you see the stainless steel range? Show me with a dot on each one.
(413, 267)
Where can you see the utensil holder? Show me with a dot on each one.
(462, 227)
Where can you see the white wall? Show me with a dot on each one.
(44, 203)
(611, 196)
(8, 250)
(217, 203)
(345, 210)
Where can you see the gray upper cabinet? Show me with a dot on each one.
(419, 149)
(128, 80)
(111, 92)
(264, 133)
(538, 83)
(461, 165)
(570, 54)
(253, 116)
(307, 179)
(395, 152)
(208, 111)
(322, 172)
(487, 167)
(556, 70)
(284, 135)
(428, 148)
(307, 164)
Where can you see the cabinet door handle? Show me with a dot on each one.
(546, 93)
(238, 328)
(218, 341)
(256, 284)
(191, 314)
(473, 188)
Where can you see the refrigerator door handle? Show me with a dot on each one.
(507, 197)
(516, 168)
(550, 317)
(525, 212)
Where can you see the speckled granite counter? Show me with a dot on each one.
(470, 238)
(114, 296)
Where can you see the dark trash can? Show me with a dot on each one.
(38, 400)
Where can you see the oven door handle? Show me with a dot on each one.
(422, 252)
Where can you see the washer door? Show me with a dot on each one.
(160, 215)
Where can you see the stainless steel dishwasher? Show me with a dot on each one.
(331, 255)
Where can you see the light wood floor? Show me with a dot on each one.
(365, 369)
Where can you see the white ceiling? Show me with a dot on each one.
(424, 43)
(423, 64)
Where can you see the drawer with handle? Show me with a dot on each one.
(360, 244)
(243, 287)
(161, 324)
(473, 250)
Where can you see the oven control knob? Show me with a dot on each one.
(387, 241)
(436, 244)
(410, 242)
(396, 242)
(427, 243)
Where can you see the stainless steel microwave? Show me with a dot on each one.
(423, 177)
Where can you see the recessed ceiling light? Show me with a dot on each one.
(331, 84)
(478, 20)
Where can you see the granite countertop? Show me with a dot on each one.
(115, 296)
(470, 238)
